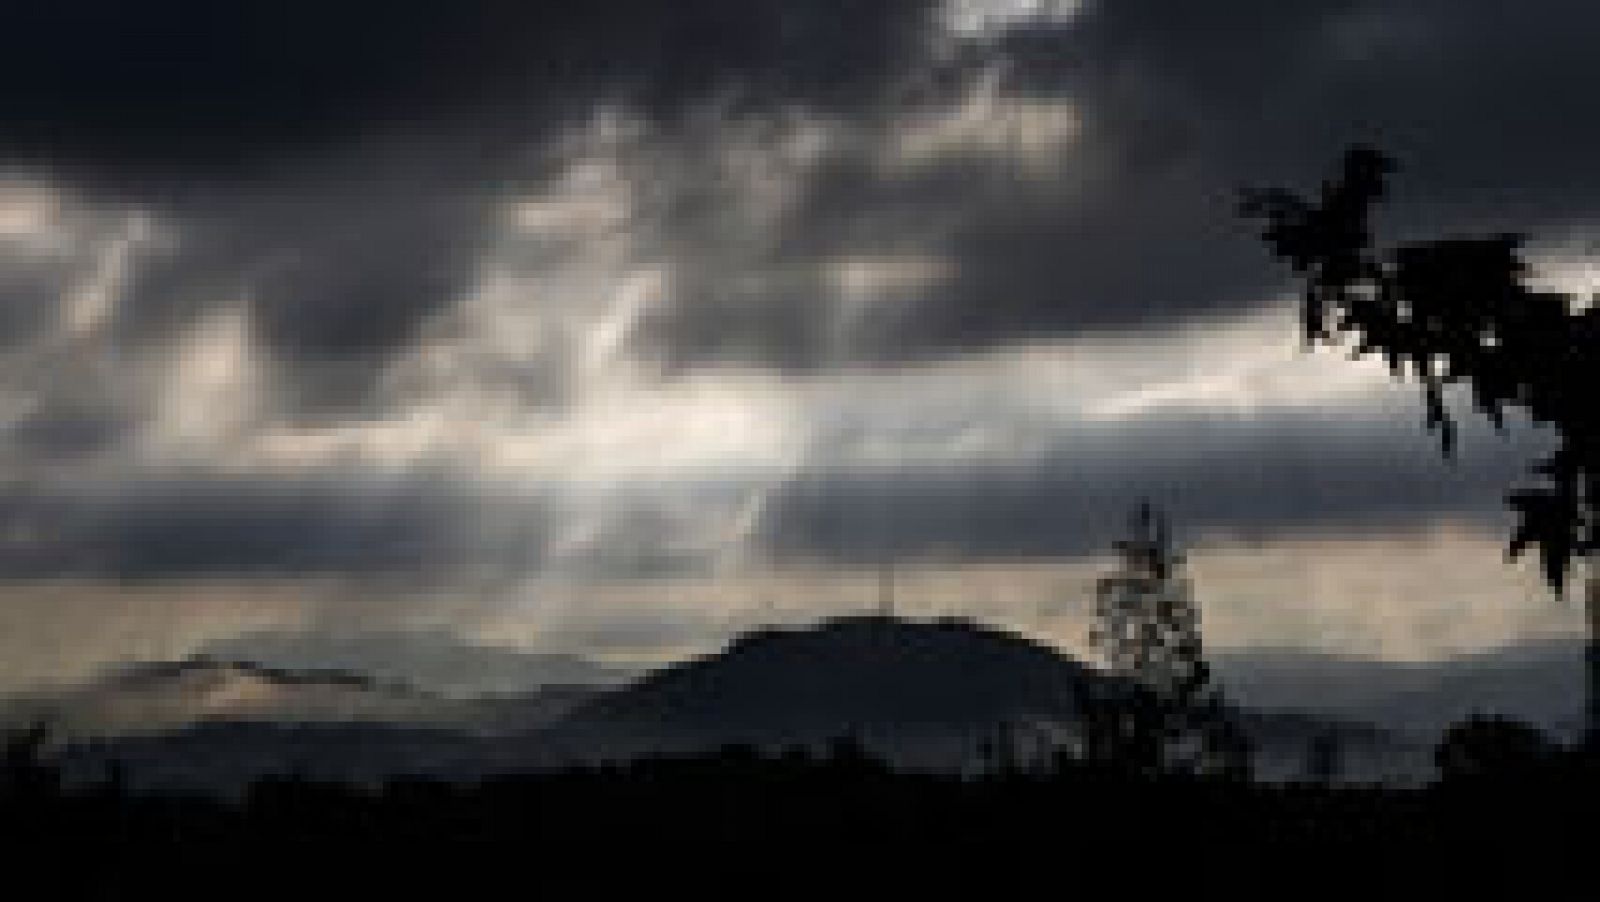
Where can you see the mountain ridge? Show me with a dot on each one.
(165, 697)
(922, 695)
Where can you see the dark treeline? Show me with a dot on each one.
(1502, 785)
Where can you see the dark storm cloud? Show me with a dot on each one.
(1217, 477)
(186, 85)
(425, 526)
(1480, 97)
(36, 270)
(342, 162)
(66, 430)
(27, 305)
(1183, 105)
(174, 527)
(338, 274)
(338, 168)
(339, 164)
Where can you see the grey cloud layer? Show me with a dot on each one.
(1133, 222)
(341, 176)
(179, 86)
(384, 141)
(1183, 104)
(197, 526)
(1222, 478)
(339, 167)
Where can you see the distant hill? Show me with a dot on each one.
(921, 694)
(854, 673)
(1539, 682)
(166, 697)
(421, 679)
(924, 695)
(432, 660)
(154, 674)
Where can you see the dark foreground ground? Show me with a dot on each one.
(839, 821)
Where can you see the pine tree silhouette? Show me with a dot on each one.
(1148, 630)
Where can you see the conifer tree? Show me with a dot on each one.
(1148, 633)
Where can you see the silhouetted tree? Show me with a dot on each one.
(848, 752)
(1148, 629)
(23, 771)
(1460, 311)
(999, 751)
(1492, 748)
(1324, 757)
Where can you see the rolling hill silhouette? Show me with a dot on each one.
(1538, 681)
(164, 697)
(919, 693)
(434, 660)
(922, 695)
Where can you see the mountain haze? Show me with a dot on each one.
(434, 660)
(158, 698)
(922, 695)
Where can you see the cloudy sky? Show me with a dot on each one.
(617, 326)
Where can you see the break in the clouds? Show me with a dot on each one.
(510, 291)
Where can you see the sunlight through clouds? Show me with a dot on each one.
(981, 18)
(608, 320)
